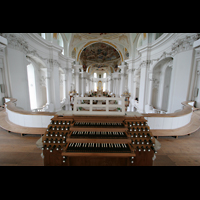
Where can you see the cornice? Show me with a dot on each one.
(41, 41)
(184, 44)
(16, 41)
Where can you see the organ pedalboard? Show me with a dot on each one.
(98, 141)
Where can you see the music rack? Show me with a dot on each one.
(98, 140)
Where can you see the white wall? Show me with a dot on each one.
(1, 83)
(180, 80)
(49, 52)
(56, 90)
(18, 77)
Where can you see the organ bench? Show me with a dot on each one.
(98, 141)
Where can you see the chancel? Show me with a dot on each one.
(100, 98)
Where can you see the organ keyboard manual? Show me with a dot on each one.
(98, 141)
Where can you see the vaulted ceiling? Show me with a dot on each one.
(81, 45)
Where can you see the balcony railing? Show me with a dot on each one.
(99, 106)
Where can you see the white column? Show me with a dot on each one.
(116, 83)
(134, 86)
(130, 72)
(88, 83)
(64, 85)
(56, 87)
(130, 88)
(122, 82)
(150, 90)
(48, 84)
(142, 91)
(49, 103)
(111, 83)
(83, 83)
(76, 73)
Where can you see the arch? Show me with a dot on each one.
(141, 39)
(161, 83)
(31, 86)
(34, 56)
(91, 69)
(36, 79)
(106, 42)
(160, 61)
(60, 41)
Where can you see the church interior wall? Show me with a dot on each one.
(174, 88)
(18, 77)
(180, 79)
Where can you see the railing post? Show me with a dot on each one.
(75, 101)
(107, 108)
(91, 104)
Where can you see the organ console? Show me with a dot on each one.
(98, 141)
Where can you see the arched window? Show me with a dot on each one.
(95, 86)
(157, 35)
(31, 86)
(43, 35)
(60, 42)
(142, 40)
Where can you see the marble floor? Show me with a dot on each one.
(22, 151)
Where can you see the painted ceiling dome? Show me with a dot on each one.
(100, 35)
(99, 54)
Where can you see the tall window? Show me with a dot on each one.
(43, 35)
(104, 87)
(60, 42)
(95, 86)
(104, 75)
(158, 35)
(95, 75)
(31, 86)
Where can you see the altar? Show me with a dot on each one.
(99, 93)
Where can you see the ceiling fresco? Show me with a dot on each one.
(100, 35)
(100, 54)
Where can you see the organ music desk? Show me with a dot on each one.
(98, 141)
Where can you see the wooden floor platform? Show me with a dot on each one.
(193, 126)
(185, 130)
(6, 124)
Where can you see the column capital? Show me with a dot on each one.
(77, 67)
(145, 63)
(122, 67)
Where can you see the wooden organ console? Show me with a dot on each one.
(98, 141)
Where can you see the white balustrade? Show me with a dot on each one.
(111, 106)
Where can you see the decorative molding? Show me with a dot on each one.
(16, 41)
(163, 56)
(43, 81)
(170, 64)
(54, 62)
(145, 63)
(184, 44)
